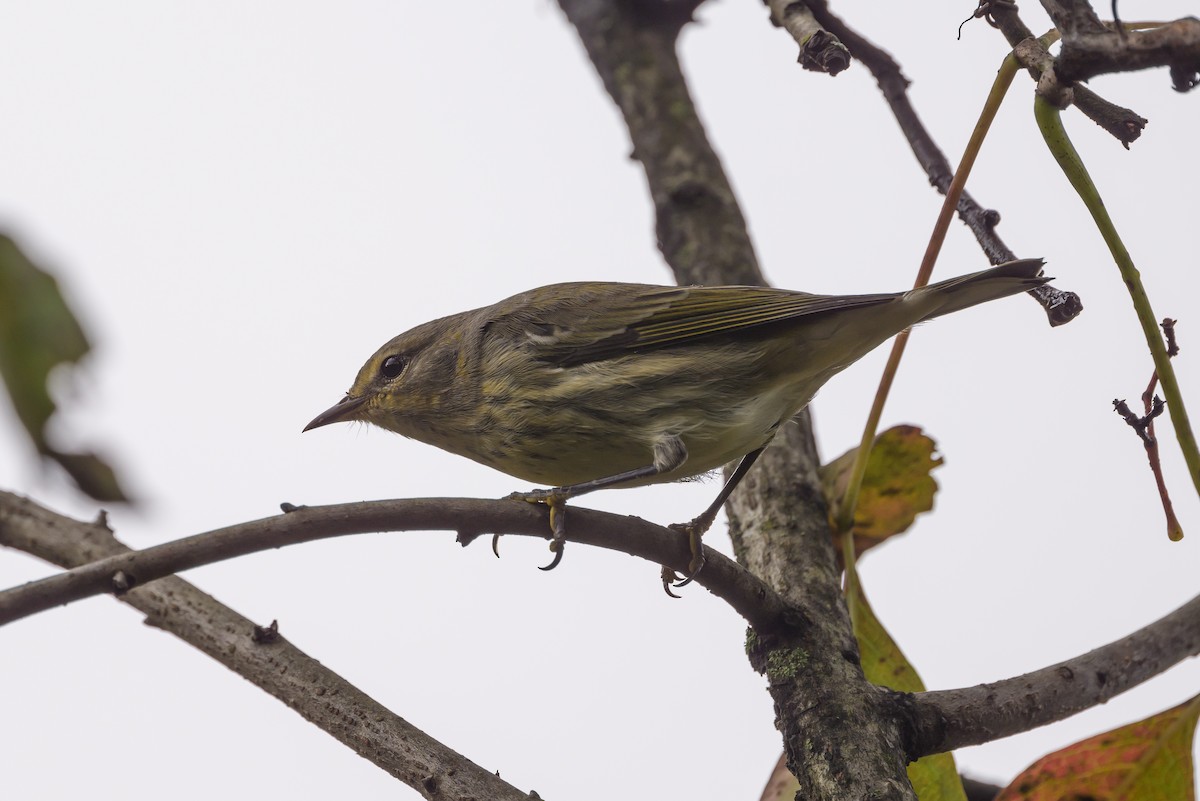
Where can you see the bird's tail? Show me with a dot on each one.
(1000, 281)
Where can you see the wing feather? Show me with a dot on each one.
(604, 321)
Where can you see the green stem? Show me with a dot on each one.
(1004, 78)
(1050, 122)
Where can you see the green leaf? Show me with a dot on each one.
(38, 332)
(897, 485)
(935, 777)
(1150, 760)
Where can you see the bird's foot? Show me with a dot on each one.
(695, 532)
(557, 502)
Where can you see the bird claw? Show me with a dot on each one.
(557, 547)
(694, 531)
(496, 545)
(558, 520)
(669, 577)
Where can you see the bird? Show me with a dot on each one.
(590, 385)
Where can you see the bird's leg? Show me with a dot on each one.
(669, 454)
(701, 523)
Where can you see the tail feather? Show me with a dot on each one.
(1009, 278)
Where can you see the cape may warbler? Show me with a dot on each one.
(590, 385)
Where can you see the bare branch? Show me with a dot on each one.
(701, 230)
(319, 695)
(894, 87)
(839, 747)
(816, 680)
(1123, 124)
(820, 50)
(1175, 45)
(1073, 16)
(726, 579)
(949, 719)
(1060, 306)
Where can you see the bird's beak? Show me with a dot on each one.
(342, 410)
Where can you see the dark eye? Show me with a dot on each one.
(393, 366)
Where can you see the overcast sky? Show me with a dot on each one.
(244, 200)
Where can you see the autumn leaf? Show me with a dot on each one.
(1150, 760)
(896, 488)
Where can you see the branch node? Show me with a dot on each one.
(1168, 327)
(1140, 424)
(1061, 306)
(122, 582)
(265, 635)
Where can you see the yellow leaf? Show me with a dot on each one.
(897, 485)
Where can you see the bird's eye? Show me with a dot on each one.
(392, 366)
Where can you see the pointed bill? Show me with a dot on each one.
(343, 410)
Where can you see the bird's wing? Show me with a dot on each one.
(606, 321)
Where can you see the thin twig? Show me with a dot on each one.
(1060, 146)
(1153, 408)
(1061, 306)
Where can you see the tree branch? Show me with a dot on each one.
(1123, 124)
(894, 87)
(1060, 306)
(319, 695)
(948, 719)
(1175, 45)
(752, 598)
(832, 737)
(820, 50)
(815, 676)
(1073, 16)
(701, 230)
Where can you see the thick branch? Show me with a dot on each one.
(829, 730)
(272, 663)
(950, 719)
(1073, 16)
(748, 595)
(1175, 45)
(815, 677)
(701, 231)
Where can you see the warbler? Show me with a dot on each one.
(584, 386)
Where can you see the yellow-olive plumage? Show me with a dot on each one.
(579, 382)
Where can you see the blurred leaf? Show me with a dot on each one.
(37, 333)
(935, 777)
(782, 785)
(896, 487)
(1150, 760)
(92, 475)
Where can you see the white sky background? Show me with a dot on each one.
(244, 200)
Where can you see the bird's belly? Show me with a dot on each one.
(580, 451)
